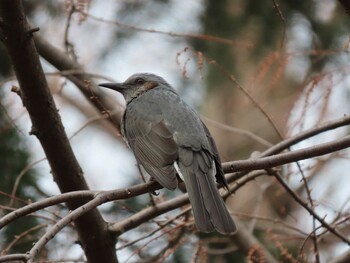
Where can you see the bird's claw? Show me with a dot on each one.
(155, 193)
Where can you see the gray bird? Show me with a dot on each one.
(169, 139)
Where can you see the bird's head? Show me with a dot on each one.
(137, 84)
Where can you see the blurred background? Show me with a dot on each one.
(257, 71)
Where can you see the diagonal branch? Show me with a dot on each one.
(63, 62)
(99, 199)
(267, 162)
(96, 241)
(298, 199)
(50, 201)
(289, 157)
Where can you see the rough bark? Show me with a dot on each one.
(16, 34)
(63, 62)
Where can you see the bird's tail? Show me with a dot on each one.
(209, 208)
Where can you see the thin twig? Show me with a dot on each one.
(20, 176)
(99, 199)
(78, 72)
(239, 131)
(18, 237)
(304, 204)
(68, 45)
(174, 242)
(204, 37)
(30, 166)
(155, 238)
(281, 16)
(233, 79)
(151, 212)
(10, 119)
(161, 226)
(313, 233)
(273, 221)
(65, 197)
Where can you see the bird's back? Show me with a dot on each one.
(163, 104)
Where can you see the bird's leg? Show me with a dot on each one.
(151, 179)
(154, 193)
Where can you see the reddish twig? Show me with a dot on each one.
(204, 37)
(281, 16)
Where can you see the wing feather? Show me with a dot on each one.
(220, 176)
(155, 148)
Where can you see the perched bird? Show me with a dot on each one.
(169, 139)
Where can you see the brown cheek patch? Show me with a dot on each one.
(150, 85)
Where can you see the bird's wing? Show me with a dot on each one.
(219, 175)
(154, 148)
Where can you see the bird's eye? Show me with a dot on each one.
(139, 81)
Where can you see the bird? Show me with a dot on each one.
(172, 144)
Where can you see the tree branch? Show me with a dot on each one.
(54, 200)
(298, 199)
(63, 62)
(151, 212)
(289, 157)
(97, 243)
(14, 258)
(285, 144)
(99, 199)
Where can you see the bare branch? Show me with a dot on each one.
(289, 157)
(80, 211)
(70, 50)
(63, 63)
(310, 210)
(151, 212)
(18, 237)
(14, 257)
(156, 230)
(20, 176)
(281, 16)
(313, 234)
(65, 197)
(145, 214)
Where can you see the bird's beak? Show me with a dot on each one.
(120, 87)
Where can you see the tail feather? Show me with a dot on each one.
(215, 205)
(200, 212)
(209, 208)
